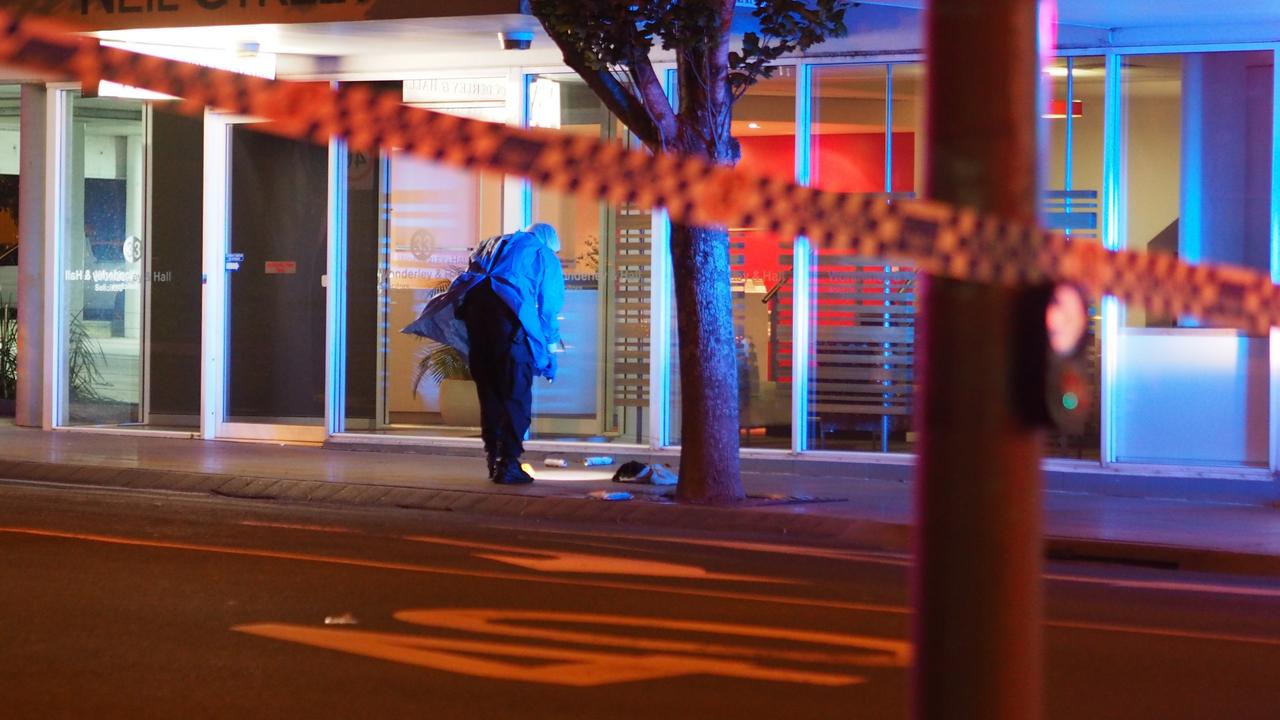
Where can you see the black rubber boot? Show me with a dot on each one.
(509, 472)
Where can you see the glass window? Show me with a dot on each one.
(130, 266)
(764, 124)
(601, 392)
(1074, 125)
(1152, 88)
(1197, 138)
(866, 136)
(432, 217)
(10, 100)
(411, 226)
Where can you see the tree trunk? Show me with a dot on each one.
(709, 471)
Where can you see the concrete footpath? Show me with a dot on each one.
(807, 502)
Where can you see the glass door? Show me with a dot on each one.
(601, 390)
(268, 257)
(127, 309)
(1196, 132)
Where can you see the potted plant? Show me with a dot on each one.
(83, 357)
(459, 405)
(8, 359)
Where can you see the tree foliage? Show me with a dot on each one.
(785, 27)
(614, 33)
(609, 42)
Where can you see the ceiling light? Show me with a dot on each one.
(1062, 71)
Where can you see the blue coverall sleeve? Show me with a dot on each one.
(550, 295)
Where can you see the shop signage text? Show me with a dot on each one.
(446, 90)
(109, 7)
(105, 280)
(131, 14)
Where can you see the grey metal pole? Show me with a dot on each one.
(976, 586)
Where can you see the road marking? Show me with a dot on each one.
(856, 556)
(1167, 586)
(576, 667)
(881, 652)
(604, 584)
(773, 548)
(293, 526)
(569, 562)
(481, 574)
(1161, 632)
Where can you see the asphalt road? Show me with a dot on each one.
(118, 604)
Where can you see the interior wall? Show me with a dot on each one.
(1191, 395)
(9, 152)
(842, 162)
(105, 157)
(1154, 168)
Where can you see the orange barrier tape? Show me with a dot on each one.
(933, 236)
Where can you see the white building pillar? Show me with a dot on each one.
(29, 407)
(135, 193)
(1225, 183)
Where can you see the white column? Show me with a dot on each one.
(1275, 255)
(336, 292)
(32, 199)
(135, 196)
(213, 310)
(1114, 201)
(801, 269)
(1215, 218)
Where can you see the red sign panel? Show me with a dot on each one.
(281, 267)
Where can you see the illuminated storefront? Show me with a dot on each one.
(212, 281)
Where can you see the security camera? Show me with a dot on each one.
(516, 39)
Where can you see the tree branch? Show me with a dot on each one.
(706, 98)
(631, 108)
(644, 79)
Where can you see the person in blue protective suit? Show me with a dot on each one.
(502, 314)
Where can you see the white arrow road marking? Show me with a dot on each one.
(881, 652)
(570, 562)
(576, 667)
(891, 559)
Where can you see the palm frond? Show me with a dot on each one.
(441, 362)
(83, 357)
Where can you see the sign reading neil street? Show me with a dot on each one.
(129, 14)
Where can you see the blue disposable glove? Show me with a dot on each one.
(550, 372)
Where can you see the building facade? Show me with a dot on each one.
(193, 277)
